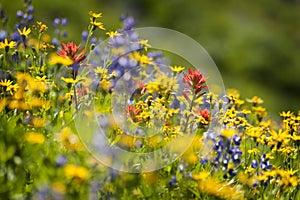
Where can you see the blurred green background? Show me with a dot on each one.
(255, 44)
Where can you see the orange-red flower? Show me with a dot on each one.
(195, 80)
(132, 112)
(71, 50)
(204, 114)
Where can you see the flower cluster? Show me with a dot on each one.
(233, 149)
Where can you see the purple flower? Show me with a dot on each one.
(55, 41)
(129, 23)
(65, 34)
(254, 163)
(60, 160)
(84, 35)
(3, 35)
(173, 180)
(19, 13)
(30, 9)
(64, 21)
(56, 22)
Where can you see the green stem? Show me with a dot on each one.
(75, 97)
(190, 110)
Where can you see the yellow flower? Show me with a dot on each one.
(254, 131)
(7, 45)
(296, 137)
(145, 44)
(97, 24)
(38, 122)
(286, 114)
(5, 83)
(73, 171)
(95, 15)
(212, 186)
(41, 79)
(35, 138)
(25, 32)
(228, 133)
(42, 26)
(12, 88)
(69, 140)
(177, 69)
(260, 111)
(112, 33)
(68, 80)
(254, 151)
(127, 140)
(280, 136)
(2, 104)
(56, 59)
(143, 59)
(255, 100)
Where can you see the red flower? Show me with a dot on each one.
(132, 112)
(204, 114)
(70, 50)
(195, 80)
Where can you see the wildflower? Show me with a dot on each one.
(60, 160)
(12, 88)
(73, 171)
(255, 100)
(5, 83)
(173, 180)
(280, 136)
(127, 140)
(38, 122)
(254, 131)
(7, 45)
(95, 15)
(195, 80)
(69, 140)
(260, 112)
(145, 44)
(286, 114)
(204, 114)
(129, 23)
(112, 33)
(143, 59)
(35, 138)
(255, 151)
(42, 27)
(177, 69)
(97, 24)
(68, 80)
(2, 103)
(25, 32)
(228, 133)
(56, 59)
(71, 50)
(212, 186)
(132, 112)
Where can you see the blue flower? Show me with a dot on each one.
(236, 139)
(56, 22)
(3, 35)
(84, 35)
(173, 180)
(30, 9)
(60, 160)
(254, 163)
(64, 21)
(19, 13)
(128, 23)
